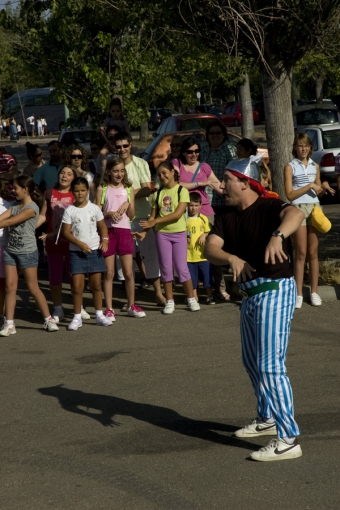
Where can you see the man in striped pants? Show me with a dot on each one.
(253, 238)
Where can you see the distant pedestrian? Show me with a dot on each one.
(39, 126)
(13, 129)
(43, 126)
(31, 121)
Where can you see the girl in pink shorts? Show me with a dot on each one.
(117, 200)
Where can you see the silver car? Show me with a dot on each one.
(326, 145)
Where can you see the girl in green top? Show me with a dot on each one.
(168, 219)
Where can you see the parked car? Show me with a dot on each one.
(157, 115)
(232, 116)
(259, 106)
(81, 136)
(190, 122)
(326, 145)
(315, 115)
(326, 102)
(159, 149)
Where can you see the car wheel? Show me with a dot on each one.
(236, 123)
(151, 126)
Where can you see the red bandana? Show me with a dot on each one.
(255, 186)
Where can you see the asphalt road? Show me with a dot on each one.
(140, 415)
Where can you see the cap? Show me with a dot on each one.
(247, 167)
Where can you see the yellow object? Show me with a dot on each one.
(195, 228)
(320, 221)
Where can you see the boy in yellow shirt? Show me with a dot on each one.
(197, 231)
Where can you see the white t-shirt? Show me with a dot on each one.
(4, 205)
(31, 120)
(84, 224)
(138, 172)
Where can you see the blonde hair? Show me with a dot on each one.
(113, 162)
(302, 138)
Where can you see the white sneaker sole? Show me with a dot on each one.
(264, 432)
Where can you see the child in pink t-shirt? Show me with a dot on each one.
(117, 200)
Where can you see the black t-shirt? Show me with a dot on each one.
(246, 234)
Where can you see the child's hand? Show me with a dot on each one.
(123, 208)
(104, 245)
(147, 223)
(43, 237)
(139, 235)
(84, 248)
(115, 216)
(202, 238)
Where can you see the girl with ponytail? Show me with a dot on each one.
(21, 220)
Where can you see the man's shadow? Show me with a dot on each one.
(104, 408)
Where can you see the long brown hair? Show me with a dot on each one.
(25, 181)
(112, 163)
(84, 161)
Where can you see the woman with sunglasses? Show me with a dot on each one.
(76, 158)
(109, 149)
(195, 175)
(34, 154)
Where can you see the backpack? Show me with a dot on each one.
(159, 192)
(104, 194)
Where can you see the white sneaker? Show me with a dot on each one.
(58, 318)
(278, 449)
(315, 299)
(169, 307)
(193, 305)
(84, 315)
(101, 320)
(257, 428)
(8, 329)
(51, 325)
(299, 301)
(75, 324)
(135, 311)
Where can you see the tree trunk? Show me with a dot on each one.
(247, 129)
(144, 132)
(319, 89)
(277, 97)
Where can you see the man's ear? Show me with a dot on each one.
(244, 183)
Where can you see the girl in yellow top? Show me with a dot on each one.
(168, 218)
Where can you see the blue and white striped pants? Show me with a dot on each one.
(265, 330)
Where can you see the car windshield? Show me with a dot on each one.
(317, 116)
(331, 139)
(79, 136)
(190, 124)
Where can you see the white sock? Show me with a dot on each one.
(268, 420)
(47, 318)
(191, 299)
(170, 301)
(288, 440)
(77, 316)
(10, 323)
(99, 313)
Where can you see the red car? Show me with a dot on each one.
(190, 122)
(232, 116)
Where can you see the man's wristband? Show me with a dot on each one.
(105, 238)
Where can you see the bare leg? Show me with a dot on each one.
(96, 287)
(187, 286)
(127, 261)
(156, 282)
(56, 295)
(11, 273)
(168, 290)
(312, 255)
(108, 280)
(300, 240)
(78, 281)
(31, 278)
(2, 295)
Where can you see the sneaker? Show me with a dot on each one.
(135, 311)
(8, 329)
(211, 301)
(58, 318)
(315, 299)
(51, 325)
(110, 314)
(169, 307)
(257, 428)
(299, 301)
(101, 320)
(75, 324)
(84, 315)
(193, 305)
(278, 449)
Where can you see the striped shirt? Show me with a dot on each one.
(302, 176)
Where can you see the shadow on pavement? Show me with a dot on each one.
(75, 401)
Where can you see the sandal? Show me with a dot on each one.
(223, 296)
(144, 283)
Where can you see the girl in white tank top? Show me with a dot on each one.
(303, 188)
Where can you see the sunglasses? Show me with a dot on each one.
(37, 155)
(175, 145)
(124, 146)
(111, 138)
(215, 132)
(76, 156)
(196, 151)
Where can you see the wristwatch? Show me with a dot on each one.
(278, 233)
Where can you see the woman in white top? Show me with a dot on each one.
(303, 187)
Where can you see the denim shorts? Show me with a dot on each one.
(83, 263)
(22, 260)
